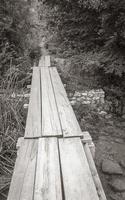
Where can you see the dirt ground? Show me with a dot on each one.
(109, 138)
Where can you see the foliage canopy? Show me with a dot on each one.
(91, 25)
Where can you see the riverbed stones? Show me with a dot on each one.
(111, 167)
(118, 184)
(92, 97)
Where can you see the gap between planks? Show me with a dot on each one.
(77, 177)
(69, 123)
(52, 168)
(50, 119)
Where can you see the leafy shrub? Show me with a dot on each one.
(88, 25)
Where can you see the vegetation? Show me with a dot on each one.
(89, 33)
(87, 25)
(18, 39)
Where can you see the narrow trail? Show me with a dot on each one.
(108, 134)
(109, 138)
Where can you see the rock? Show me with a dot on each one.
(77, 94)
(102, 101)
(84, 94)
(74, 98)
(83, 97)
(73, 102)
(118, 185)
(110, 122)
(13, 95)
(122, 163)
(109, 116)
(103, 113)
(86, 102)
(123, 195)
(70, 95)
(122, 124)
(25, 106)
(119, 140)
(123, 116)
(110, 167)
(90, 95)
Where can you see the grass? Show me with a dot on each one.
(12, 123)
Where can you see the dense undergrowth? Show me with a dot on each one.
(90, 26)
(84, 26)
(19, 38)
(91, 36)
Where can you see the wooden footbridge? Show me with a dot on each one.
(54, 160)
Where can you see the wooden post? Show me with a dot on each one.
(88, 139)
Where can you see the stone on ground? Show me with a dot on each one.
(110, 167)
(118, 185)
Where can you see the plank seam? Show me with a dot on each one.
(70, 109)
(25, 171)
(40, 98)
(35, 170)
(56, 103)
(61, 176)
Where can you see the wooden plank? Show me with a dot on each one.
(24, 172)
(50, 119)
(42, 61)
(94, 172)
(48, 183)
(68, 119)
(47, 61)
(77, 178)
(33, 123)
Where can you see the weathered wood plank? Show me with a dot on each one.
(42, 62)
(33, 124)
(77, 178)
(68, 119)
(50, 118)
(24, 172)
(48, 183)
(94, 172)
(47, 61)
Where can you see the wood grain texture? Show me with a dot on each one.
(22, 184)
(77, 179)
(68, 119)
(47, 61)
(33, 123)
(50, 118)
(94, 172)
(48, 183)
(42, 61)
